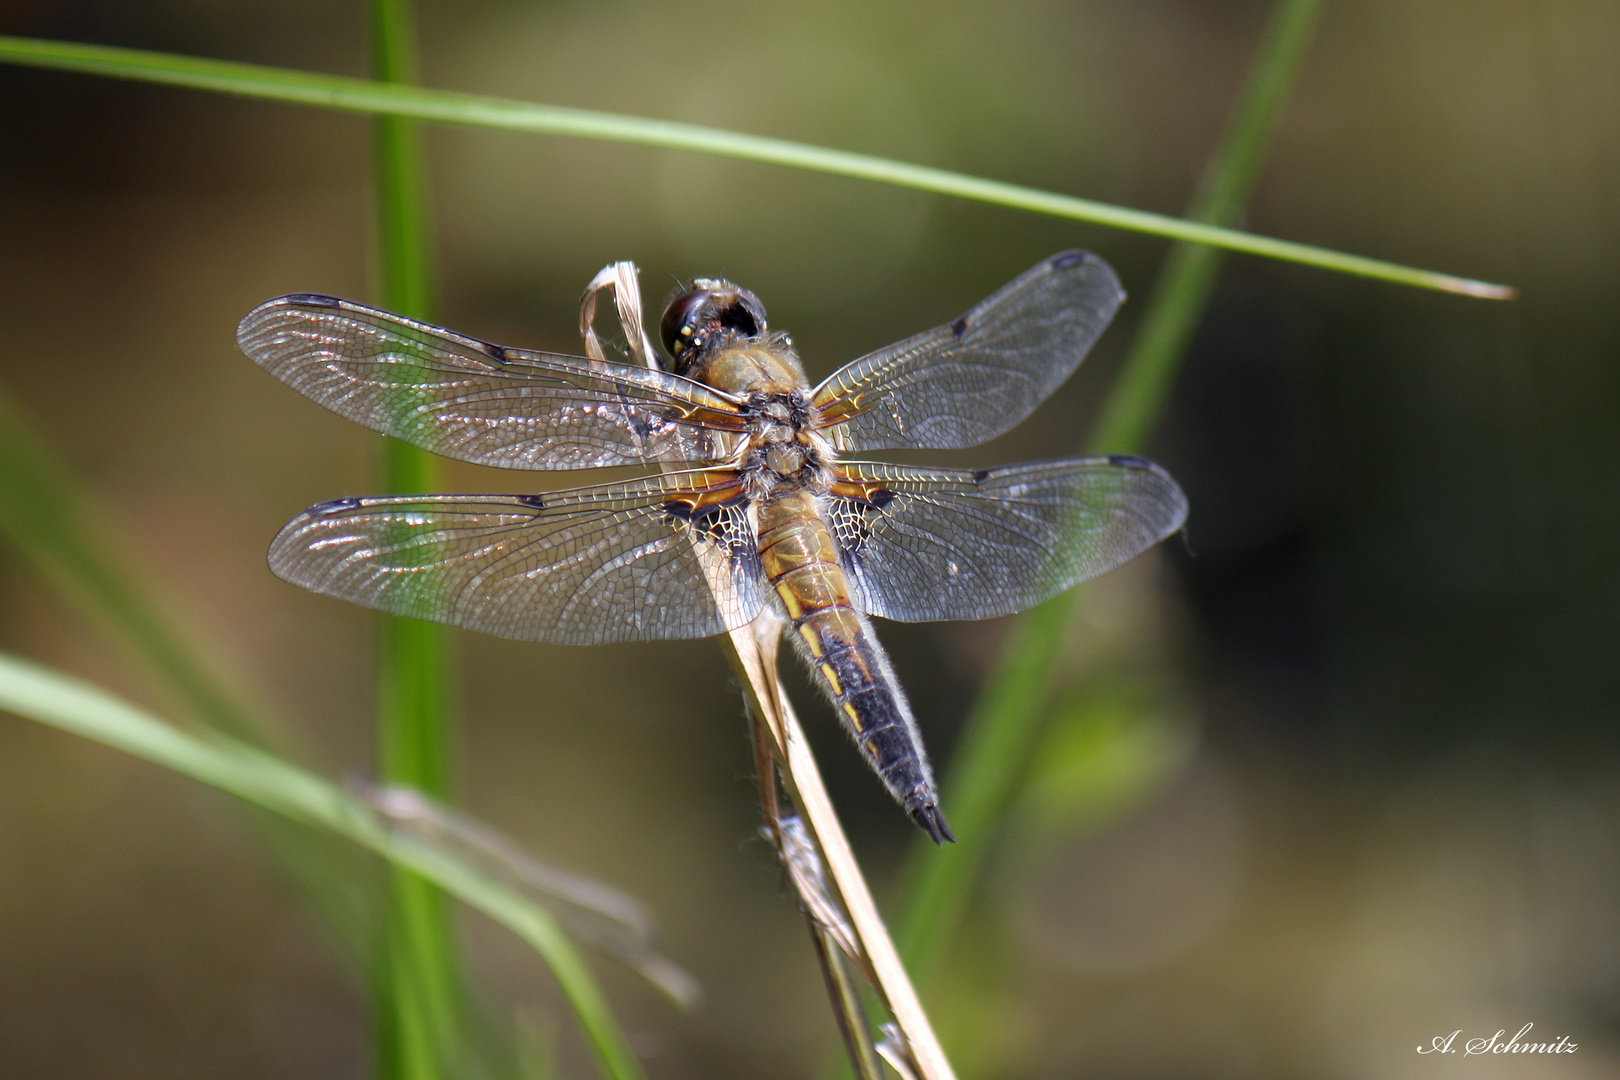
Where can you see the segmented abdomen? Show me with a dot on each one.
(800, 561)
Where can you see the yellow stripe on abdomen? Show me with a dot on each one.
(800, 560)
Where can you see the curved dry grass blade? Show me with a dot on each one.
(359, 95)
(613, 920)
(805, 871)
(621, 278)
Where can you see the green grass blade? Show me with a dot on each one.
(47, 516)
(281, 787)
(983, 776)
(1184, 284)
(360, 95)
(420, 1010)
(1006, 719)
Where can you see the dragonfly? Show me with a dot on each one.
(747, 502)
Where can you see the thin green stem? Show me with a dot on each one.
(47, 514)
(1182, 290)
(984, 771)
(359, 95)
(1006, 719)
(303, 797)
(417, 986)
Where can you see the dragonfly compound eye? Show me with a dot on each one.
(708, 313)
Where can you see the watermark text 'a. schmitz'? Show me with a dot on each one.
(1498, 1044)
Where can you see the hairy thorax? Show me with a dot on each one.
(782, 455)
(757, 365)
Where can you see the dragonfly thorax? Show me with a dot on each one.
(781, 442)
(778, 416)
(787, 458)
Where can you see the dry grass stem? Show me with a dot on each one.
(752, 651)
(830, 932)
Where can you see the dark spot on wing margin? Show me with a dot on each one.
(332, 506)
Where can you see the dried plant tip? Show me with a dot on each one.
(893, 1050)
(621, 278)
(805, 869)
(592, 911)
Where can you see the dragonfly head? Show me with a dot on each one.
(710, 314)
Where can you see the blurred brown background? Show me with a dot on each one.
(1363, 733)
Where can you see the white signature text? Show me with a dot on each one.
(1499, 1043)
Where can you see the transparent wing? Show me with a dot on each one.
(921, 545)
(972, 379)
(644, 560)
(468, 399)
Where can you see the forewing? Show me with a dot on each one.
(630, 561)
(469, 399)
(972, 379)
(920, 545)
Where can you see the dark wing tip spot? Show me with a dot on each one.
(332, 506)
(1065, 259)
(959, 326)
(933, 823)
(1131, 461)
(536, 501)
(495, 352)
(310, 299)
(980, 475)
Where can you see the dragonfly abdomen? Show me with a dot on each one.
(800, 561)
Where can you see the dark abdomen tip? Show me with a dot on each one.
(933, 823)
